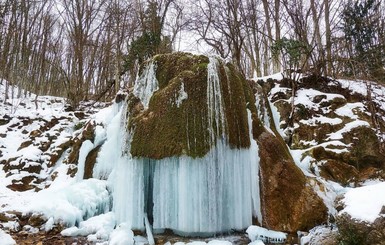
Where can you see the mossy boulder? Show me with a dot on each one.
(175, 125)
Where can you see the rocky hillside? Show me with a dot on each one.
(311, 151)
(335, 132)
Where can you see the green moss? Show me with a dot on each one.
(234, 98)
(165, 129)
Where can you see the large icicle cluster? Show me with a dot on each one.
(216, 193)
(146, 84)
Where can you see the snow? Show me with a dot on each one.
(349, 109)
(306, 97)
(359, 86)
(96, 228)
(318, 235)
(317, 120)
(276, 76)
(365, 203)
(347, 128)
(259, 233)
(6, 239)
(122, 235)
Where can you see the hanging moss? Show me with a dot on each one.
(168, 128)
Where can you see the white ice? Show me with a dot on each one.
(146, 84)
(259, 233)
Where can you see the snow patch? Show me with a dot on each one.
(365, 203)
(348, 127)
(6, 239)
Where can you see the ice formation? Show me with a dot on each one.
(181, 96)
(259, 233)
(192, 196)
(146, 84)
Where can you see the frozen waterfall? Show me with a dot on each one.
(192, 196)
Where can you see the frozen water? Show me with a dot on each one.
(265, 235)
(146, 84)
(213, 194)
(86, 147)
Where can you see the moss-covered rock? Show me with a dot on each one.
(174, 126)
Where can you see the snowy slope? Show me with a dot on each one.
(328, 116)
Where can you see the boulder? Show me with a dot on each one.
(288, 202)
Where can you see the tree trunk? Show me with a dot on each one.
(329, 63)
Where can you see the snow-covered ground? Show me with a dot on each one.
(54, 197)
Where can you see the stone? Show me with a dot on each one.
(36, 220)
(288, 202)
(339, 172)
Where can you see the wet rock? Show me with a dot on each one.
(90, 162)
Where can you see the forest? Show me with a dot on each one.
(89, 49)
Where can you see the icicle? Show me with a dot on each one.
(146, 84)
(86, 147)
(216, 115)
(150, 237)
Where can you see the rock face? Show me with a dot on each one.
(339, 125)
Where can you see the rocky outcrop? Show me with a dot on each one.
(333, 124)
